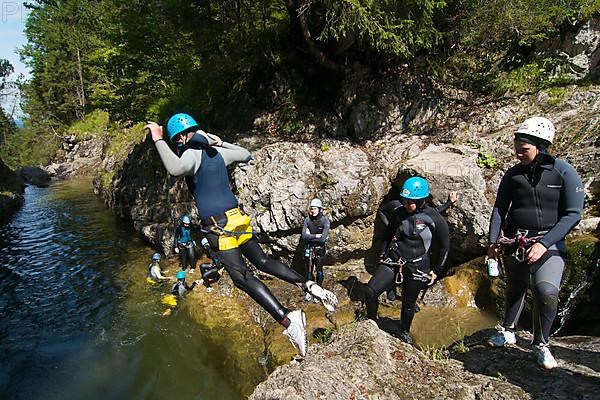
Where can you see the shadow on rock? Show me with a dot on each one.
(574, 378)
(355, 289)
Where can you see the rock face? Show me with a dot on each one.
(363, 362)
(79, 158)
(34, 175)
(11, 192)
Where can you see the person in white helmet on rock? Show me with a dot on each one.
(539, 201)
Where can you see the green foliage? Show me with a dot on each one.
(324, 335)
(388, 26)
(485, 160)
(29, 146)
(324, 147)
(435, 353)
(92, 124)
(502, 36)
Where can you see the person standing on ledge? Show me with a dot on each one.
(539, 201)
(315, 232)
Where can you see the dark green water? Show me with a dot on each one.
(77, 320)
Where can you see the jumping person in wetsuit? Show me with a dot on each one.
(541, 197)
(155, 274)
(387, 212)
(407, 241)
(183, 244)
(315, 232)
(204, 159)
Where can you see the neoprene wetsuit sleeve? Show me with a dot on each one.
(443, 207)
(500, 208)
(176, 237)
(389, 233)
(186, 165)
(233, 153)
(306, 236)
(442, 234)
(571, 203)
(325, 233)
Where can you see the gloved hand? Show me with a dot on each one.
(177, 250)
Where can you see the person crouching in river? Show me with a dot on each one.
(204, 159)
(539, 201)
(405, 258)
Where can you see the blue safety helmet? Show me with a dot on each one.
(415, 188)
(185, 219)
(180, 123)
(181, 275)
(156, 257)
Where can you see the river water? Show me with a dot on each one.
(77, 320)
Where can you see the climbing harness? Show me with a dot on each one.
(521, 242)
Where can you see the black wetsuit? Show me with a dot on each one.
(315, 247)
(546, 199)
(184, 242)
(409, 238)
(386, 214)
(206, 165)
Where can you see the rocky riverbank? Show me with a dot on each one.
(363, 362)
(11, 192)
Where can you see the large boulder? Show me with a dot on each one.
(34, 176)
(363, 362)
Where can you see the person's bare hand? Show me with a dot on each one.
(453, 197)
(535, 252)
(155, 130)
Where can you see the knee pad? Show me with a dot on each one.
(547, 294)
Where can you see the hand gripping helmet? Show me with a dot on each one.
(316, 203)
(415, 188)
(537, 129)
(180, 123)
(156, 257)
(181, 275)
(185, 219)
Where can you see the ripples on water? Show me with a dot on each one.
(74, 320)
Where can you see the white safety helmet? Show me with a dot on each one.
(316, 203)
(537, 128)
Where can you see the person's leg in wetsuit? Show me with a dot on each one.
(410, 293)
(318, 262)
(379, 282)
(256, 255)
(191, 257)
(244, 279)
(546, 284)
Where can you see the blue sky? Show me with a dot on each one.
(12, 21)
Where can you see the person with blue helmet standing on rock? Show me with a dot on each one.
(203, 160)
(184, 245)
(539, 201)
(155, 274)
(406, 257)
(315, 232)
